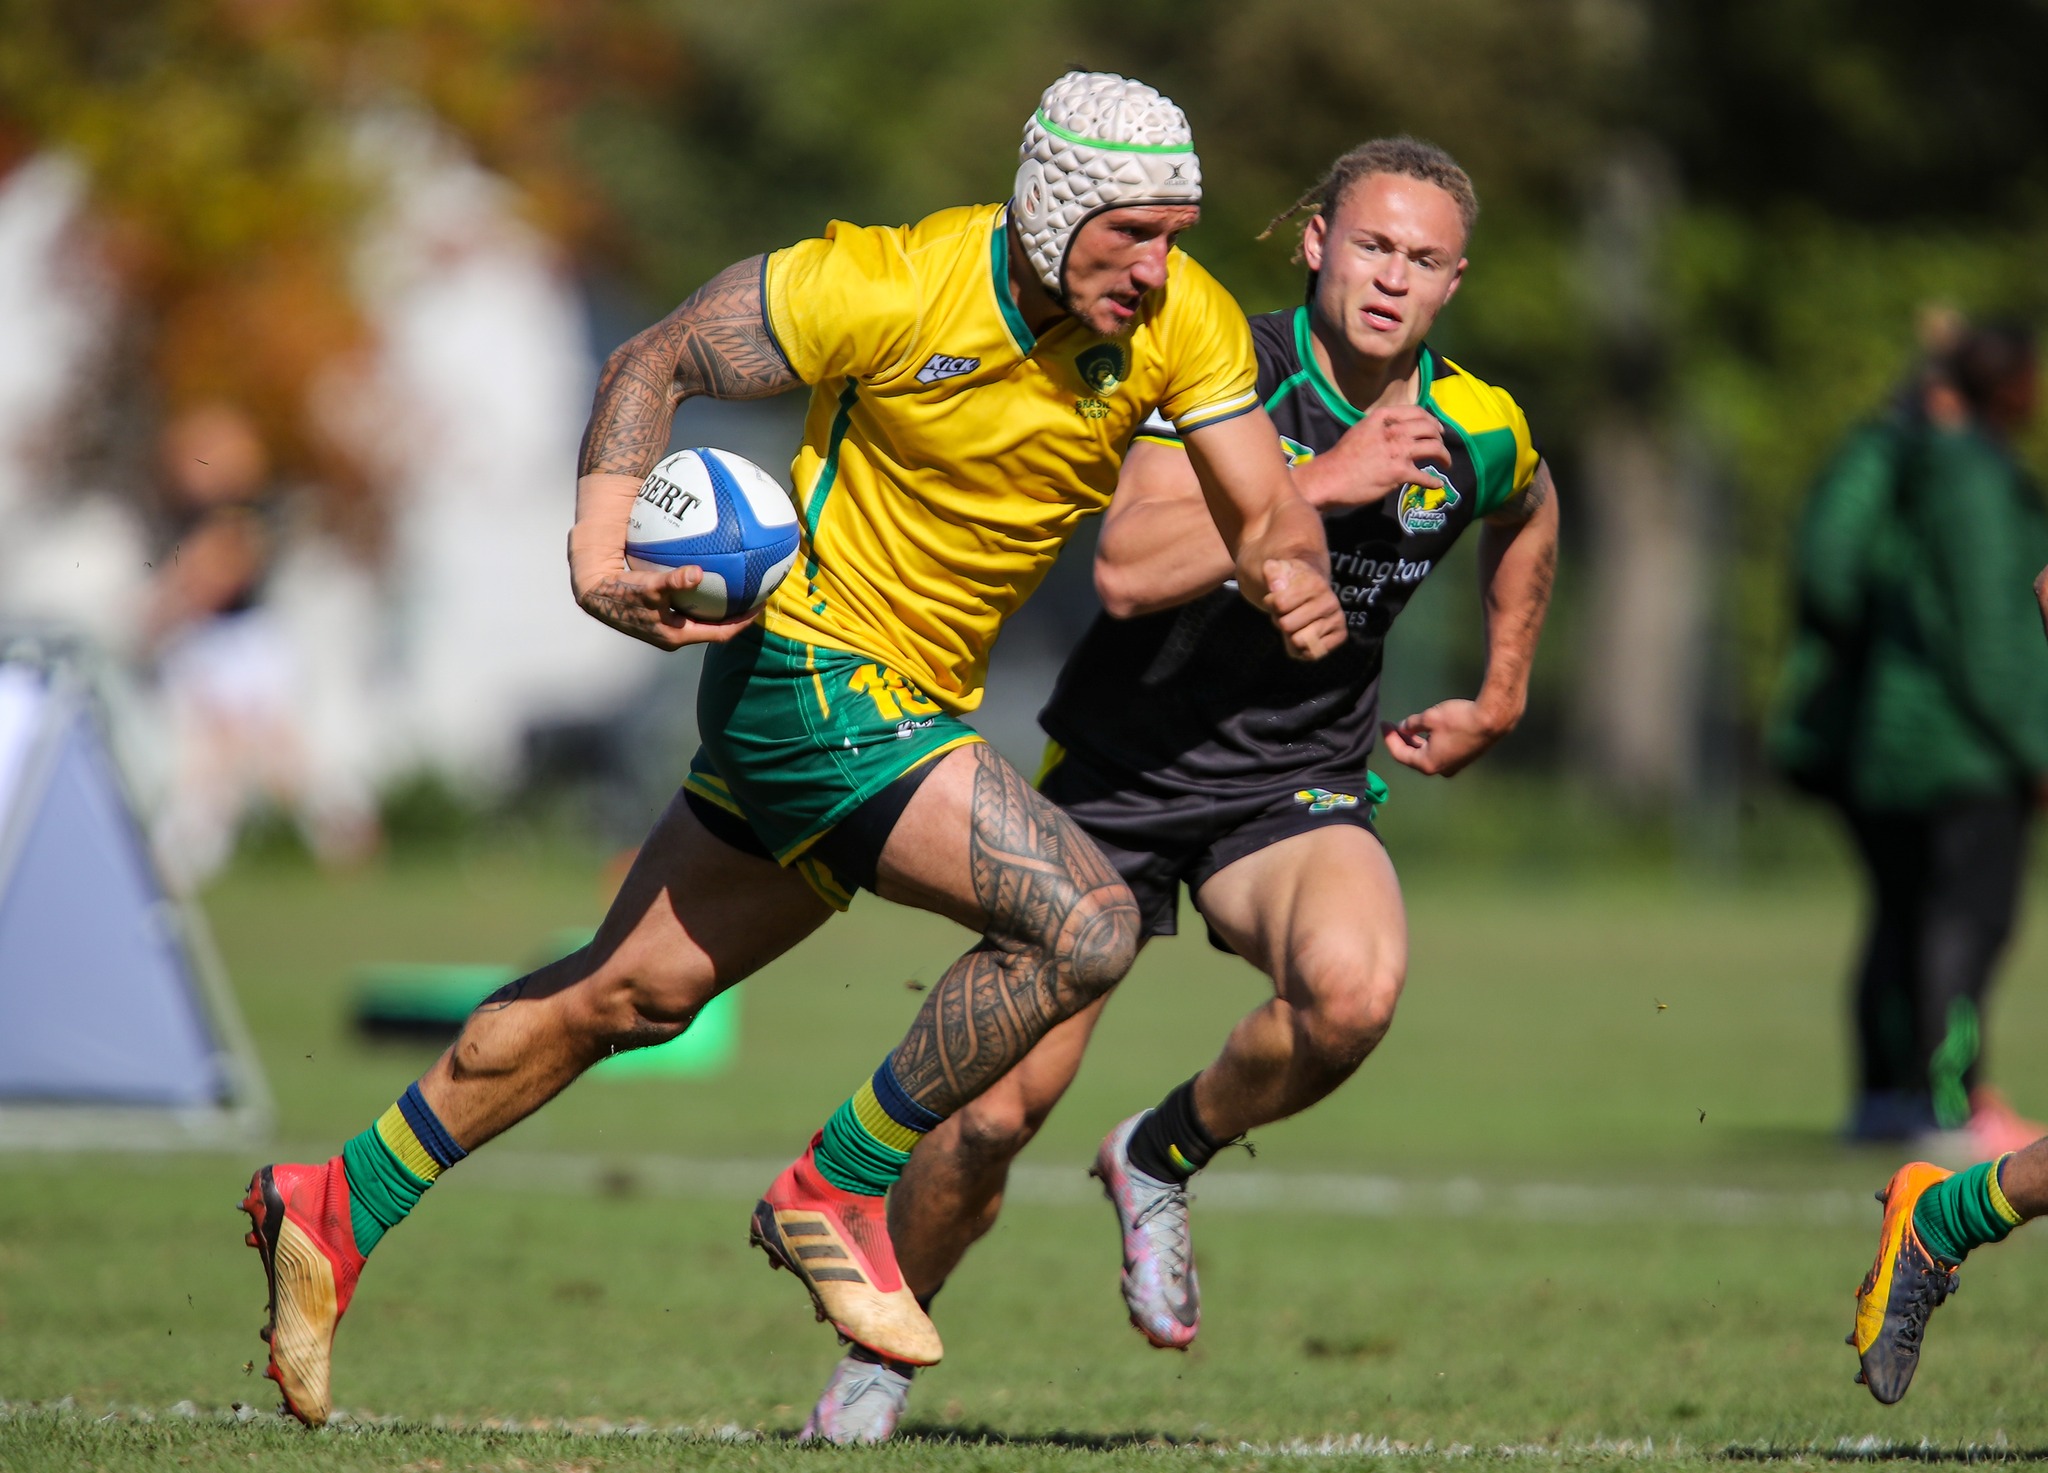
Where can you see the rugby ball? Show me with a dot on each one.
(717, 511)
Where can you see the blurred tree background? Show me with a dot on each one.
(1708, 225)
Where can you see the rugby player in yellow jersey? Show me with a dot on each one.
(1241, 775)
(976, 379)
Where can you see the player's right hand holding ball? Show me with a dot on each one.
(641, 604)
(1388, 449)
(1304, 609)
(635, 601)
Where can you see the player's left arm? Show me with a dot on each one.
(1275, 538)
(1517, 564)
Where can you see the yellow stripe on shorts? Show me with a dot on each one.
(713, 791)
(824, 884)
(817, 682)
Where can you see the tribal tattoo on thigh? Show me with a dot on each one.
(1060, 930)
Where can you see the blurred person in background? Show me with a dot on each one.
(1916, 701)
(227, 670)
(1932, 1220)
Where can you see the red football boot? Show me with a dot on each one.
(838, 1244)
(301, 1227)
(1995, 1127)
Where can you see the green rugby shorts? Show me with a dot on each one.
(797, 736)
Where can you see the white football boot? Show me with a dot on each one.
(1159, 1255)
(861, 1403)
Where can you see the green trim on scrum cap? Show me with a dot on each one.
(1058, 132)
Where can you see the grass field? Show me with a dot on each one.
(1550, 1221)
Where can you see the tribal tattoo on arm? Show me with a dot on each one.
(717, 343)
(1061, 929)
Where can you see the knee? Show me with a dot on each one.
(1347, 1009)
(634, 999)
(1099, 942)
(992, 1129)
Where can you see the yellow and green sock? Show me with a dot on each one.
(391, 1165)
(1965, 1211)
(867, 1142)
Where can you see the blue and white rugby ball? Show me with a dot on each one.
(717, 511)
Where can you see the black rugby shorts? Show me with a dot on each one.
(1160, 839)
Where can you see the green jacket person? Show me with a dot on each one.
(1922, 707)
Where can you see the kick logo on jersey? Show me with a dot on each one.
(1322, 800)
(945, 365)
(1427, 508)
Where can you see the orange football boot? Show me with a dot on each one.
(838, 1244)
(300, 1224)
(1904, 1287)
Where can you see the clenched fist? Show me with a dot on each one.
(1388, 449)
(1303, 609)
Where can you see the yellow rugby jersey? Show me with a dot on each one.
(948, 453)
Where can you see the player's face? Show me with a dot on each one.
(1116, 258)
(1387, 263)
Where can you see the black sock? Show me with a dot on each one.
(876, 1358)
(1171, 1143)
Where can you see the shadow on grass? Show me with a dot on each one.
(972, 1435)
(1870, 1450)
(1864, 1450)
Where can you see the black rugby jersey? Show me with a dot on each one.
(1202, 699)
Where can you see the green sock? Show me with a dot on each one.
(867, 1142)
(391, 1165)
(1951, 1065)
(1963, 1212)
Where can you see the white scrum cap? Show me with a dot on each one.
(1097, 142)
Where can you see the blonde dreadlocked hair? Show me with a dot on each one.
(1409, 157)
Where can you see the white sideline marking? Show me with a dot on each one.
(1343, 1194)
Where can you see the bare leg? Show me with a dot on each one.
(693, 917)
(953, 1188)
(1321, 915)
(2025, 1179)
(1059, 929)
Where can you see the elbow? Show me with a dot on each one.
(1113, 586)
(625, 356)
(641, 357)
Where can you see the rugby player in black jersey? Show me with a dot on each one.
(1195, 753)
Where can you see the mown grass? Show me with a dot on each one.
(1530, 1048)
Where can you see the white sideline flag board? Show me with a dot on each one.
(112, 1026)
